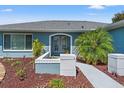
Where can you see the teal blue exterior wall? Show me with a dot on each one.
(118, 39)
(42, 36)
(117, 35)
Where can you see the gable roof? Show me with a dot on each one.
(52, 26)
(115, 25)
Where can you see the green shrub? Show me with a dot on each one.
(56, 83)
(94, 46)
(21, 73)
(37, 48)
(16, 63)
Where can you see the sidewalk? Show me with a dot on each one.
(97, 78)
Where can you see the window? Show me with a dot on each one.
(17, 42)
(28, 42)
(7, 42)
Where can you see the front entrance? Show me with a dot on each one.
(60, 44)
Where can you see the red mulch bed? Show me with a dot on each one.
(104, 69)
(33, 80)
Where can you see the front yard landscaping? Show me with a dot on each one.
(93, 48)
(20, 74)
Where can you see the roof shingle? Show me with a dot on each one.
(53, 26)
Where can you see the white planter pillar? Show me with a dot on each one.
(116, 64)
(68, 64)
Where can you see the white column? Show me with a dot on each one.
(116, 64)
(68, 64)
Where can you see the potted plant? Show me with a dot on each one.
(66, 51)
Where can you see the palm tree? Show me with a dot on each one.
(94, 46)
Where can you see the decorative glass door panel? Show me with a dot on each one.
(60, 44)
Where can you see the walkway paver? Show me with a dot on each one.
(97, 78)
(2, 72)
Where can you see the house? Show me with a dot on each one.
(58, 36)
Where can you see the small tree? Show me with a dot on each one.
(94, 46)
(117, 17)
(37, 48)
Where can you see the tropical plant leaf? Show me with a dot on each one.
(94, 46)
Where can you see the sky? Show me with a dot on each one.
(18, 14)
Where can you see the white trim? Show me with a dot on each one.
(43, 60)
(11, 40)
(42, 56)
(17, 50)
(60, 34)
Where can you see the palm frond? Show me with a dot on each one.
(94, 46)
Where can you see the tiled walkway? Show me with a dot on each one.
(2, 72)
(97, 78)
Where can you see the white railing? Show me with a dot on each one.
(42, 59)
